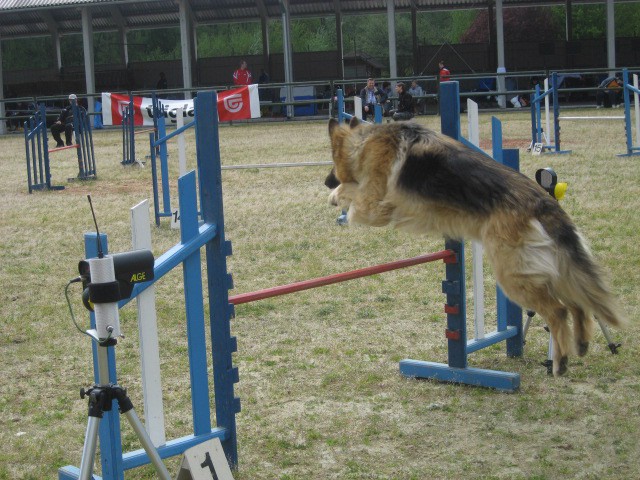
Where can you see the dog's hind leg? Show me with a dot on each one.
(582, 329)
(556, 316)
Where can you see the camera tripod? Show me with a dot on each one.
(101, 397)
(548, 363)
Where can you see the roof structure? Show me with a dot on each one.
(28, 18)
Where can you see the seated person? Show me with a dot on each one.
(371, 96)
(609, 92)
(405, 104)
(416, 91)
(64, 124)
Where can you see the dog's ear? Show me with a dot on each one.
(333, 124)
(354, 122)
(332, 181)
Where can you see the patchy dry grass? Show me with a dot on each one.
(319, 382)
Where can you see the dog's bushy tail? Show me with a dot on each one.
(583, 284)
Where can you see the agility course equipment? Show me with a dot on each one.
(509, 315)
(209, 235)
(38, 152)
(158, 148)
(343, 116)
(539, 137)
(628, 89)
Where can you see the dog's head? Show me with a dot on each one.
(341, 171)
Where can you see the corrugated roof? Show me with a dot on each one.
(21, 18)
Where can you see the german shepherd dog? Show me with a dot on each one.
(409, 177)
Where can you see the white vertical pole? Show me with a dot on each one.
(182, 154)
(148, 333)
(547, 132)
(636, 106)
(502, 99)
(473, 135)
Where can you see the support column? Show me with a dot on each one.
(288, 54)
(339, 39)
(3, 124)
(611, 38)
(264, 25)
(568, 21)
(87, 47)
(502, 99)
(391, 27)
(414, 37)
(185, 42)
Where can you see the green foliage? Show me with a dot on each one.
(153, 45)
(229, 39)
(23, 53)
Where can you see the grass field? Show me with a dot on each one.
(319, 384)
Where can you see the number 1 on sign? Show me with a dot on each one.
(175, 218)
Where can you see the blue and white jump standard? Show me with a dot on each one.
(509, 315)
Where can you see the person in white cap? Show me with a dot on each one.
(64, 124)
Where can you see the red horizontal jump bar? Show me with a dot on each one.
(338, 277)
(57, 149)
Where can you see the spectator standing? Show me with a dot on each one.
(416, 91)
(371, 96)
(162, 82)
(405, 104)
(444, 73)
(64, 124)
(242, 76)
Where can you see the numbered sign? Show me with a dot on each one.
(175, 219)
(537, 149)
(205, 462)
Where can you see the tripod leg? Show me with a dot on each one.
(605, 331)
(147, 444)
(89, 449)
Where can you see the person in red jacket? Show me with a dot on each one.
(444, 72)
(242, 76)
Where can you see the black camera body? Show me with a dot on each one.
(129, 268)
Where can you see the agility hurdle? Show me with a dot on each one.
(37, 152)
(37, 148)
(211, 236)
(631, 149)
(537, 132)
(343, 116)
(158, 148)
(128, 134)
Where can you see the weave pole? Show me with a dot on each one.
(446, 255)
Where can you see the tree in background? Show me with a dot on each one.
(520, 25)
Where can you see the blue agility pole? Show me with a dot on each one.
(631, 148)
(509, 324)
(186, 253)
(158, 148)
(343, 116)
(37, 152)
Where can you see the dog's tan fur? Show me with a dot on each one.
(409, 177)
